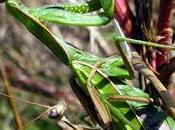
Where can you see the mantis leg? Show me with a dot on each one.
(85, 101)
(101, 108)
(100, 100)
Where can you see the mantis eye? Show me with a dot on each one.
(57, 111)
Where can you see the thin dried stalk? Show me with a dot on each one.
(124, 16)
(164, 31)
(103, 45)
(140, 66)
(65, 124)
(11, 101)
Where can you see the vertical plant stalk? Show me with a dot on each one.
(11, 101)
(124, 16)
(1, 1)
(164, 31)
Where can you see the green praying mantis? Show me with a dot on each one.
(92, 73)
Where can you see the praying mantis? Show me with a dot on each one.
(92, 73)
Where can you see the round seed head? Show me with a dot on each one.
(57, 111)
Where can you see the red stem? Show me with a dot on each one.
(1, 1)
(166, 71)
(164, 30)
(165, 8)
(124, 16)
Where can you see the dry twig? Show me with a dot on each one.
(11, 102)
(140, 66)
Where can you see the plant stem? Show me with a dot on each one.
(164, 30)
(139, 42)
(165, 9)
(124, 16)
(11, 102)
(2, 1)
(140, 66)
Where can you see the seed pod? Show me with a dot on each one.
(57, 111)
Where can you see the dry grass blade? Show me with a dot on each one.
(65, 124)
(140, 66)
(11, 101)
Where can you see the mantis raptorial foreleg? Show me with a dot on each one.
(85, 100)
(101, 108)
